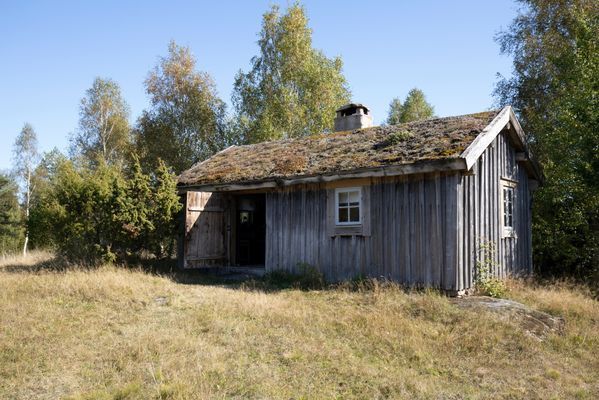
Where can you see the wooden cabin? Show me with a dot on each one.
(424, 203)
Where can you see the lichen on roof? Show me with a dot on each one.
(330, 153)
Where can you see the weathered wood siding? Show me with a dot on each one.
(480, 218)
(412, 236)
(205, 243)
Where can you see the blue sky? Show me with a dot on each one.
(52, 50)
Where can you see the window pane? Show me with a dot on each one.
(343, 214)
(354, 197)
(354, 214)
(508, 207)
(343, 197)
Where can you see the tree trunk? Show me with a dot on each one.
(25, 244)
(27, 198)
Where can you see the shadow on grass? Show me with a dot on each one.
(237, 279)
(308, 277)
(38, 264)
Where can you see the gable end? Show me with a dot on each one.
(505, 120)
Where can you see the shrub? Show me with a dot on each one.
(105, 214)
(485, 282)
(11, 230)
(310, 277)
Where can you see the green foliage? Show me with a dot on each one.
(104, 133)
(310, 277)
(414, 108)
(11, 232)
(187, 122)
(485, 281)
(25, 152)
(292, 90)
(165, 207)
(555, 90)
(40, 229)
(394, 112)
(492, 287)
(25, 160)
(398, 137)
(105, 214)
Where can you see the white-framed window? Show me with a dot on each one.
(508, 197)
(348, 206)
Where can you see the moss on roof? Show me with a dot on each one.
(329, 153)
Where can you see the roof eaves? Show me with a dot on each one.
(425, 166)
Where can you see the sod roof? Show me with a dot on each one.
(332, 153)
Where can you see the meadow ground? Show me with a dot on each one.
(116, 333)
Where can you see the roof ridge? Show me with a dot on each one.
(324, 133)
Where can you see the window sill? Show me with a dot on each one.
(348, 230)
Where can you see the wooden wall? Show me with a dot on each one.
(412, 238)
(480, 229)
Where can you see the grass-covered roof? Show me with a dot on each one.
(331, 153)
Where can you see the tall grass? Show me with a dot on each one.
(112, 333)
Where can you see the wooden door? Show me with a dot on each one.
(205, 230)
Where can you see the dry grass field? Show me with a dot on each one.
(115, 333)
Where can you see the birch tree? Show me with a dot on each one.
(292, 89)
(187, 121)
(25, 161)
(104, 132)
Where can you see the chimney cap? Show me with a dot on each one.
(352, 105)
(352, 116)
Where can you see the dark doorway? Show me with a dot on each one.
(251, 230)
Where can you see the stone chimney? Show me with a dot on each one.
(352, 116)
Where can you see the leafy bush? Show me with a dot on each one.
(491, 286)
(106, 214)
(485, 281)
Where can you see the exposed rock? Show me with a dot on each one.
(535, 323)
(161, 300)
